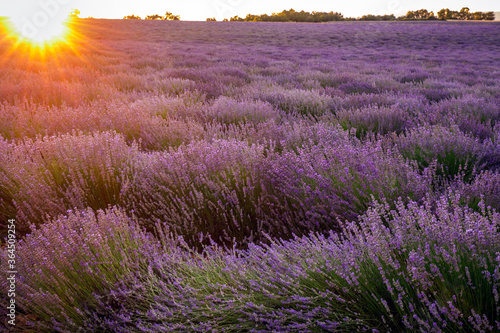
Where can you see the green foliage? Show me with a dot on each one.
(421, 14)
(154, 17)
(131, 17)
(464, 14)
(370, 17)
(292, 16)
(167, 17)
(85, 256)
(171, 17)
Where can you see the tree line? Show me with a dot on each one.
(465, 14)
(421, 14)
(167, 17)
(294, 16)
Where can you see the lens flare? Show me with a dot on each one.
(40, 30)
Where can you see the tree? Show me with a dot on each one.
(465, 14)
(154, 17)
(489, 16)
(211, 19)
(292, 16)
(446, 14)
(171, 17)
(252, 18)
(371, 17)
(410, 15)
(432, 16)
(421, 14)
(479, 16)
(132, 17)
(454, 15)
(443, 13)
(74, 13)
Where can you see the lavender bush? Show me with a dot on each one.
(48, 176)
(72, 265)
(485, 187)
(452, 150)
(380, 120)
(411, 268)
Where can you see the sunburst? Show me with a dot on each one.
(41, 32)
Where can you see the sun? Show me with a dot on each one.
(40, 30)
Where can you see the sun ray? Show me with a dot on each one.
(53, 31)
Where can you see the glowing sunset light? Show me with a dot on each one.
(39, 23)
(41, 30)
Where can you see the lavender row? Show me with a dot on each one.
(226, 188)
(416, 267)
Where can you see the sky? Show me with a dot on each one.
(192, 10)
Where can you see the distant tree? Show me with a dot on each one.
(225, 20)
(327, 17)
(421, 14)
(154, 17)
(132, 17)
(277, 17)
(171, 17)
(479, 16)
(291, 15)
(445, 14)
(432, 16)
(489, 16)
(211, 19)
(370, 17)
(453, 15)
(265, 18)
(252, 18)
(410, 15)
(442, 14)
(75, 13)
(464, 14)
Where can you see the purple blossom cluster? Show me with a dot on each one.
(261, 177)
(430, 267)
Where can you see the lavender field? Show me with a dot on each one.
(253, 177)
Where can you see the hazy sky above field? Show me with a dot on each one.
(201, 9)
